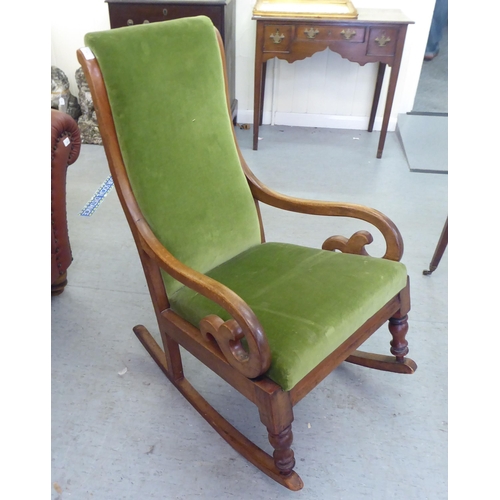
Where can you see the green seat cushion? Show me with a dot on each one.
(165, 85)
(308, 301)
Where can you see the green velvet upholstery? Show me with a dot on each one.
(308, 301)
(175, 135)
(170, 112)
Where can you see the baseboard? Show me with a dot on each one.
(426, 113)
(316, 120)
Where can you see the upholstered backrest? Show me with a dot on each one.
(165, 85)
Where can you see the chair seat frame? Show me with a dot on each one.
(217, 344)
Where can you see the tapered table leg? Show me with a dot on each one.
(440, 248)
(376, 94)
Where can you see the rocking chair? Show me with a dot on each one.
(272, 319)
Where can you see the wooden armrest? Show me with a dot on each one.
(392, 236)
(251, 361)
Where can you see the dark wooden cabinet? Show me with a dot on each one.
(221, 12)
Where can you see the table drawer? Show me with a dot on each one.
(278, 37)
(382, 41)
(123, 14)
(354, 34)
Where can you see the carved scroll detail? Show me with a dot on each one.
(355, 244)
(228, 336)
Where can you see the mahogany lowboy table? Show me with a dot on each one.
(376, 36)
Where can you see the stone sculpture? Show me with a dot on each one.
(87, 122)
(61, 97)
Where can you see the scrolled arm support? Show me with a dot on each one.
(355, 244)
(228, 336)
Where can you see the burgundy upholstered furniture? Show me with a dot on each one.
(65, 139)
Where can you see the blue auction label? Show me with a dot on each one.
(98, 197)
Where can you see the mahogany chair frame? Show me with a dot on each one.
(216, 343)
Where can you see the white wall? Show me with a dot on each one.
(342, 103)
(70, 21)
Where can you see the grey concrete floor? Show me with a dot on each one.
(120, 430)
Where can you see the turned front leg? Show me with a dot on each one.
(283, 455)
(398, 326)
(276, 414)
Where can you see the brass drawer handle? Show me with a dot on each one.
(130, 22)
(348, 33)
(145, 21)
(311, 32)
(165, 12)
(382, 40)
(277, 37)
